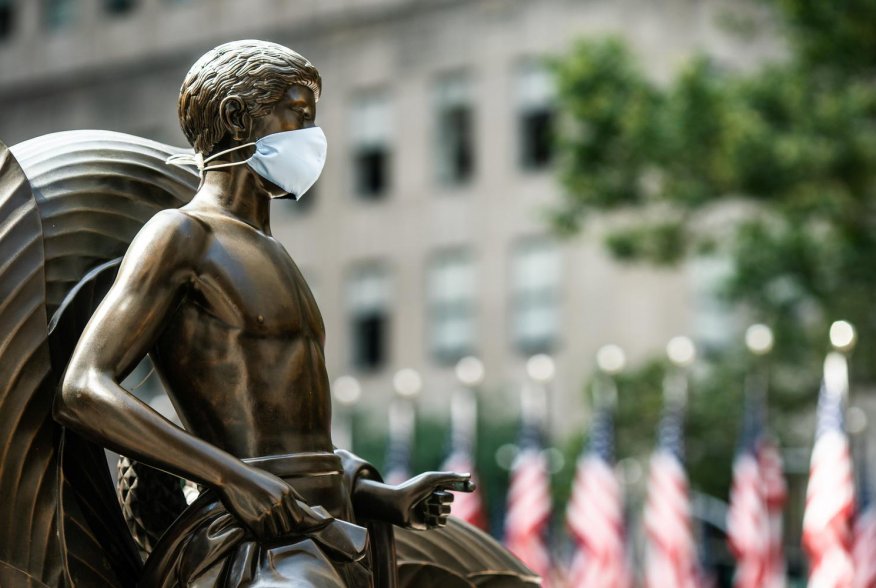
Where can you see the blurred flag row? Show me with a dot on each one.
(839, 532)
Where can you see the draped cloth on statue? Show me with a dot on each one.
(207, 547)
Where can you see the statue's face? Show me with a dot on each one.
(295, 110)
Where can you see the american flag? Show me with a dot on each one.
(864, 550)
(830, 496)
(467, 506)
(529, 504)
(772, 472)
(595, 514)
(748, 524)
(671, 557)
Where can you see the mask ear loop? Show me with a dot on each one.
(197, 159)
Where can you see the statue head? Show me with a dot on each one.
(236, 83)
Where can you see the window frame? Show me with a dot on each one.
(447, 173)
(527, 299)
(465, 307)
(380, 143)
(353, 314)
(535, 95)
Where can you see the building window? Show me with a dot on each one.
(535, 106)
(7, 18)
(368, 299)
(58, 14)
(454, 129)
(370, 133)
(535, 293)
(451, 305)
(119, 6)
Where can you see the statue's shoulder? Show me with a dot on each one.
(173, 224)
(172, 237)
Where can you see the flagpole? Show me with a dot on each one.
(611, 360)
(464, 404)
(407, 384)
(759, 341)
(535, 398)
(463, 436)
(843, 338)
(681, 353)
(346, 391)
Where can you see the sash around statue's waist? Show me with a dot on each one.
(298, 465)
(317, 476)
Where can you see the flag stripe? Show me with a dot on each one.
(595, 514)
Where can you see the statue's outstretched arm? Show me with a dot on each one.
(421, 503)
(153, 276)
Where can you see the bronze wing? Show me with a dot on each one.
(458, 555)
(69, 202)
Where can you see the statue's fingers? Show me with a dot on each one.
(438, 509)
(460, 482)
(283, 523)
(430, 500)
(460, 486)
(287, 517)
(268, 527)
(442, 521)
(443, 496)
(439, 503)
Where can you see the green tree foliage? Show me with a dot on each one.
(789, 147)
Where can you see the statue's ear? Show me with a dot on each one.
(235, 118)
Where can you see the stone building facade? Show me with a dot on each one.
(425, 238)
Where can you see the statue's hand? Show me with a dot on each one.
(267, 505)
(424, 501)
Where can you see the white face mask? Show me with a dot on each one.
(292, 160)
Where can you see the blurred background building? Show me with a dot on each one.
(425, 239)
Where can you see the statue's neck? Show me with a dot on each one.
(239, 192)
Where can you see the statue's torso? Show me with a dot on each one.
(242, 355)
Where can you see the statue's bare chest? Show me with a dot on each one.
(249, 281)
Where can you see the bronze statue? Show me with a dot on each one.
(232, 328)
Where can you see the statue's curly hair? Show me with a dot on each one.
(258, 72)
